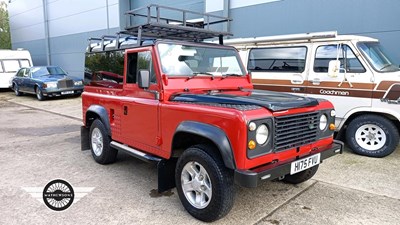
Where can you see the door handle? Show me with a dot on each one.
(297, 81)
(125, 110)
(316, 81)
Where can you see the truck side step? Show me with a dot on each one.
(134, 152)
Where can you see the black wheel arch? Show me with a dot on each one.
(98, 112)
(189, 133)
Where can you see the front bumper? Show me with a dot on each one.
(251, 178)
(62, 92)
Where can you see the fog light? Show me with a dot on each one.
(251, 145)
(332, 126)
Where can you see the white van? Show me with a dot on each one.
(10, 62)
(353, 72)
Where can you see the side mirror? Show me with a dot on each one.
(334, 67)
(144, 79)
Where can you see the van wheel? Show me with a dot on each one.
(39, 94)
(16, 90)
(100, 144)
(372, 135)
(301, 176)
(205, 186)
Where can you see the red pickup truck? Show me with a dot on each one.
(191, 108)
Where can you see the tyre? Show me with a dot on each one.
(39, 94)
(100, 144)
(16, 90)
(301, 176)
(205, 186)
(372, 135)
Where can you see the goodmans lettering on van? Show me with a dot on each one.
(365, 87)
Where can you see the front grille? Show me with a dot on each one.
(295, 130)
(65, 83)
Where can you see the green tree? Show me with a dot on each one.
(5, 38)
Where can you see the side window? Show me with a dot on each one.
(282, 59)
(105, 68)
(26, 73)
(348, 60)
(140, 61)
(21, 73)
(132, 68)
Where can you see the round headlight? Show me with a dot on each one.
(323, 122)
(262, 134)
(333, 112)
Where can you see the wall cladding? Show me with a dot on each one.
(359, 17)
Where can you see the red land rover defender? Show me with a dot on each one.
(191, 108)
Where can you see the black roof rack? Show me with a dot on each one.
(162, 22)
(156, 21)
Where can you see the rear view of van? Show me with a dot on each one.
(353, 72)
(10, 62)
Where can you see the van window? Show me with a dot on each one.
(326, 53)
(283, 59)
(25, 63)
(11, 65)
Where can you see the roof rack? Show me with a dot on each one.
(156, 21)
(279, 38)
(114, 42)
(145, 24)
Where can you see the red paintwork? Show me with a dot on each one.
(150, 124)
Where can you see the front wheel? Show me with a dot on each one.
(100, 144)
(205, 186)
(39, 94)
(372, 135)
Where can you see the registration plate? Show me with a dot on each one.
(67, 92)
(305, 163)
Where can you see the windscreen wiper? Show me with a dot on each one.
(201, 73)
(231, 75)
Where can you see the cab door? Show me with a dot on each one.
(280, 68)
(140, 107)
(348, 89)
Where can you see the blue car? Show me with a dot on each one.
(46, 81)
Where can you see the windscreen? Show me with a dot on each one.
(43, 71)
(376, 56)
(186, 60)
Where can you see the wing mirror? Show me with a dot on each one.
(144, 79)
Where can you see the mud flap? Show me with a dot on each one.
(166, 174)
(85, 145)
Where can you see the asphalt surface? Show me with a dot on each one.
(40, 142)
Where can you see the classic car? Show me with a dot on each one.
(46, 81)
